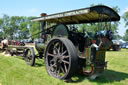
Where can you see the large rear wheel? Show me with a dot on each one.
(61, 58)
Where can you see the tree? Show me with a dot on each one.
(125, 17)
(1, 33)
(14, 27)
(5, 25)
(23, 31)
(94, 27)
(88, 27)
(34, 29)
(114, 26)
(125, 37)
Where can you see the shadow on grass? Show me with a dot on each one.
(38, 64)
(78, 78)
(108, 76)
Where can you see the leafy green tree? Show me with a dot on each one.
(125, 37)
(125, 17)
(5, 25)
(114, 26)
(14, 27)
(1, 33)
(23, 30)
(94, 27)
(88, 27)
(34, 29)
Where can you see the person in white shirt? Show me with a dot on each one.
(4, 43)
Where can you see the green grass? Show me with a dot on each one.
(14, 71)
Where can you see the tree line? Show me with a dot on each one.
(18, 27)
(114, 26)
(94, 27)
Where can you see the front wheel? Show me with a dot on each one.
(60, 58)
(29, 56)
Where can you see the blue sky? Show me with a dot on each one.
(35, 7)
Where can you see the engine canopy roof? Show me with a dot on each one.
(99, 13)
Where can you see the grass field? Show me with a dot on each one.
(14, 71)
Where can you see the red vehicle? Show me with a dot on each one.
(18, 43)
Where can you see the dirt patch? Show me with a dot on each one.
(5, 53)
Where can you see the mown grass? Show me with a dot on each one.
(14, 71)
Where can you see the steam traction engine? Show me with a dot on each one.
(66, 50)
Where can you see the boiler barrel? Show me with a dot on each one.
(40, 46)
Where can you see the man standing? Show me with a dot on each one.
(4, 43)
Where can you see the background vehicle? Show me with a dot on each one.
(116, 45)
(124, 45)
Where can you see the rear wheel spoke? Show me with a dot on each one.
(64, 61)
(62, 69)
(52, 60)
(55, 51)
(59, 46)
(65, 67)
(49, 54)
(53, 65)
(65, 57)
(64, 52)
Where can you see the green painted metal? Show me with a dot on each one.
(60, 30)
(41, 46)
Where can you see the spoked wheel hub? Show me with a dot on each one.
(60, 58)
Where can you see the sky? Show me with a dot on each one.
(35, 7)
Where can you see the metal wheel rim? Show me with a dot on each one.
(28, 57)
(58, 60)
